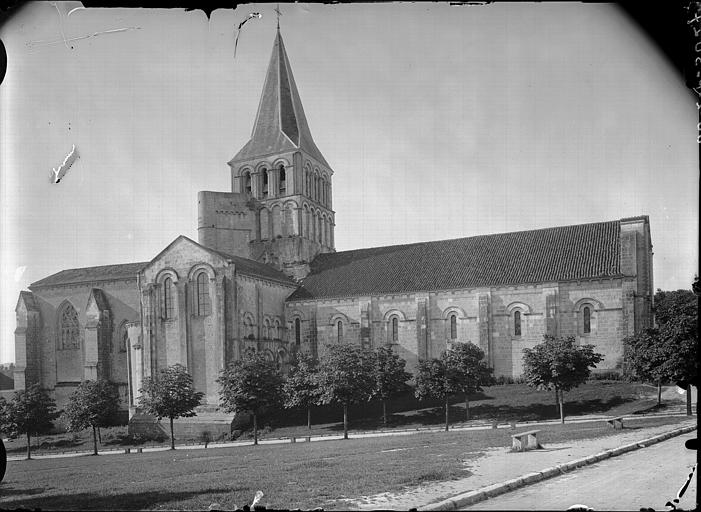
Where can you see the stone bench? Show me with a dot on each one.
(306, 438)
(525, 441)
(616, 423)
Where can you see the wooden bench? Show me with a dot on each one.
(616, 423)
(525, 441)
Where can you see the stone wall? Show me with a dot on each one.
(484, 317)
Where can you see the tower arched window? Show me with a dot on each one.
(586, 319)
(247, 183)
(265, 183)
(517, 323)
(453, 327)
(203, 304)
(69, 329)
(168, 307)
(339, 331)
(282, 181)
(298, 331)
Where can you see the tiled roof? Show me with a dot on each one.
(280, 124)
(544, 255)
(87, 274)
(256, 268)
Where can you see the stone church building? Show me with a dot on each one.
(264, 276)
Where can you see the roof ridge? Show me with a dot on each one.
(427, 242)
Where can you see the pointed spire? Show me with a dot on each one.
(280, 124)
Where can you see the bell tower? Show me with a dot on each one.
(283, 180)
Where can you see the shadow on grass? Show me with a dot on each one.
(6, 491)
(125, 501)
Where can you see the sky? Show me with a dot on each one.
(439, 122)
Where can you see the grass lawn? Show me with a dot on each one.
(304, 475)
(502, 402)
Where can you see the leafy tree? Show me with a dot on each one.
(677, 315)
(645, 358)
(251, 385)
(92, 404)
(29, 412)
(171, 394)
(559, 364)
(668, 352)
(346, 377)
(390, 376)
(433, 381)
(301, 388)
(468, 371)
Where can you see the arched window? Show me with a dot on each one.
(586, 317)
(394, 329)
(453, 327)
(276, 330)
(283, 184)
(517, 323)
(266, 329)
(298, 331)
(69, 330)
(123, 338)
(203, 304)
(248, 328)
(265, 182)
(247, 183)
(339, 331)
(168, 308)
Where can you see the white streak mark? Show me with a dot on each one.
(32, 44)
(60, 172)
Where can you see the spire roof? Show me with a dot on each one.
(280, 122)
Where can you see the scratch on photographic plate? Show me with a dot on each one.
(58, 173)
(64, 40)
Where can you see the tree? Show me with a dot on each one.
(390, 376)
(559, 364)
(92, 404)
(30, 412)
(346, 377)
(668, 352)
(467, 370)
(433, 381)
(301, 388)
(251, 385)
(676, 313)
(645, 359)
(171, 394)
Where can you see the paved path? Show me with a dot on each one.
(648, 478)
(499, 465)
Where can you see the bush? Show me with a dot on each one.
(607, 375)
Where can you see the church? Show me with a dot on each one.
(263, 276)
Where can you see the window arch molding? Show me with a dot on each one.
(281, 161)
(167, 272)
(521, 306)
(338, 316)
(392, 312)
(454, 309)
(588, 302)
(195, 269)
(67, 327)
